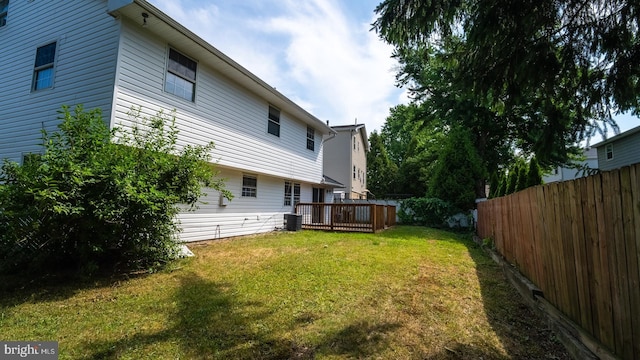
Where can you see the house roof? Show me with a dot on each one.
(331, 182)
(354, 128)
(165, 27)
(625, 134)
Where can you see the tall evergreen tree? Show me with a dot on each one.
(381, 171)
(534, 175)
(456, 171)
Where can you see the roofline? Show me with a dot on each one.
(617, 137)
(115, 5)
(361, 128)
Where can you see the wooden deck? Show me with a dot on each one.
(346, 217)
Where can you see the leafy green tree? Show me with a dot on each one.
(96, 197)
(429, 75)
(455, 174)
(413, 144)
(381, 171)
(555, 70)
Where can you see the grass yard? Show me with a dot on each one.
(407, 293)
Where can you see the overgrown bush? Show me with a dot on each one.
(430, 212)
(97, 197)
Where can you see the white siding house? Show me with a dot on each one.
(119, 54)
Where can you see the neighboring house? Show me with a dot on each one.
(345, 160)
(564, 173)
(620, 150)
(118, 54)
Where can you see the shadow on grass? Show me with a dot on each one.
(18, 289)
(523, 334)
(211, 322)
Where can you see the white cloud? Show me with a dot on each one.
(311, 51)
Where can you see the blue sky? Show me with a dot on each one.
(319, 53)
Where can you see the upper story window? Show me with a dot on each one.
(249, 186)
(354, 172)
(43, 68)
(181, 75)
(609, 150)
(4, 10)
(274, 121)
(311, 138)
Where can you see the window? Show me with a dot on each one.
(274, 121)
(296, 194)
(354, 172)
(181, 76)
(43, 68)
(311, 139)
(609, 150)
(287, 193)
(4, 9)
(249, 186)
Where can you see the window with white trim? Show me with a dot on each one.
(311, 138)
(249, 186)
(296, 194)
(181, 76)
(287, 193)
(274, 121)
(44, 66)
(4, 10)
(609, 150)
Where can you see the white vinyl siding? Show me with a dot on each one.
(223, 112)
(242, 216)
(86, 53)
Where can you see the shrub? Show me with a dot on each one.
(430, 212)
(97, 197)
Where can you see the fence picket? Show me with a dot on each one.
(579, 241)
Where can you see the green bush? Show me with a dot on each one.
(97, 198)
(430, 212)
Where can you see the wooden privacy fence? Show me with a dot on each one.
(346, 217)
(579, 242)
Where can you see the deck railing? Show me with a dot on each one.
(346, 217)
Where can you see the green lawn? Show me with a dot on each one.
(407, 293)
